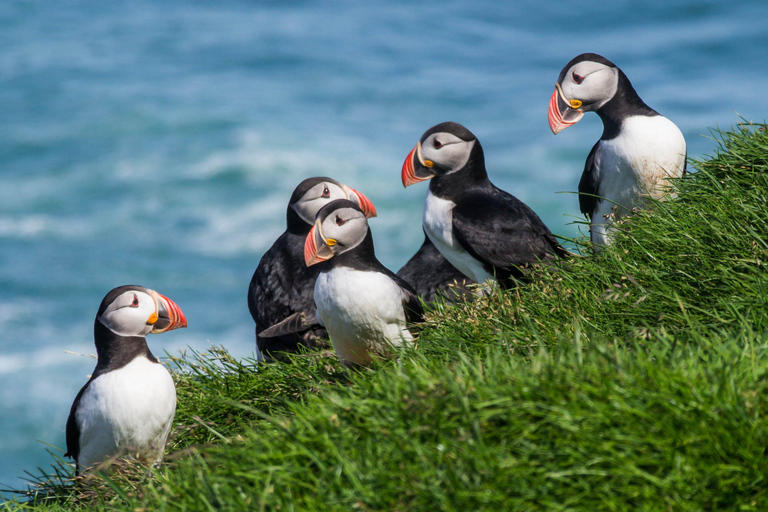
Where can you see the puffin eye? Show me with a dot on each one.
(577, 78)
(135, 302)
(339, 221)
(437, 144)
(326, 192)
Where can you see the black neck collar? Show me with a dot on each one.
(472, 175)
(115, 351)
(625, 103)
(361, 257)
(296, 224)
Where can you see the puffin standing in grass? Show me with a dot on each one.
(282, 284)
(432, 276)
(483, 231)
(364, 306)
(639, 151)
(130, 400)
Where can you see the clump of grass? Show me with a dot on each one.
(632, 380)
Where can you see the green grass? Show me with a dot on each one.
(632, 381)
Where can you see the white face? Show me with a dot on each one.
(347, 227)
(317, 197)
(129, 313)
(448, 152)
(591, 83)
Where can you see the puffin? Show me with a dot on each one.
(637, 154)
(432, 276)
(282, 284)
(483, 231)
(365, 307)
(129, 402)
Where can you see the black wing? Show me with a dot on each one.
(430, 274)
(502, 232)
(414, 312)
(588, 188)
(283, 285)
(73, 429)
(297, 322)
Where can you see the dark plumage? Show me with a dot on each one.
(282, 284)
(482, 230)
(430, 274)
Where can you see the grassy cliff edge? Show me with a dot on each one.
(632, 381)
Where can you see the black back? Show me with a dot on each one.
(430, 275)
(283, 285)
(492, 225)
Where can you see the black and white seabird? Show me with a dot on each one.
(282, 284)
(431, 275)
(364, 306)
(481, 230)
(130, 399)
(639, 149)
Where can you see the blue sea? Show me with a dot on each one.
(157, 143)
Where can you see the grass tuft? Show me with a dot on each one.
(635, 380)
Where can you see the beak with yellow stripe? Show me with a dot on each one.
(586, 84)
(168, 315)
(443, 149)
(340, 225)
(563, 112)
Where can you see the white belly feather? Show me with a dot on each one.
(132, 407)
(633, 167)
(362, 311)
(438, 224)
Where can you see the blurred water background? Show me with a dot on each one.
(157, 143)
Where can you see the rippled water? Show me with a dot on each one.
(157, 143)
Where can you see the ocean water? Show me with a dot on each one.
(157, 143)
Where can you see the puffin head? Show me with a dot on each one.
(585, 84)
(314, 193)
(137, 311)
(339, 227)
(443, 149)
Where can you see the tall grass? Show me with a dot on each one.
(635, 380)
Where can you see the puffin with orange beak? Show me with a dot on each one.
(364, 306)
(483, 231)
(130, 400)
(280, 296)
(638, 153)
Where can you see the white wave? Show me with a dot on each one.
(33, 226)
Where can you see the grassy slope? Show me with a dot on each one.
(636, 381)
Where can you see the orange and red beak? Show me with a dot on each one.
(563, 112)
(169, 315)
(316, 247)
(415, 168)
(363, 202)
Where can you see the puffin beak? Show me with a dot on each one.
(168, 316)
(363, 202)
(316, 248)
(415, 168)
(562, 111)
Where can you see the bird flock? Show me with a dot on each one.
(321, 279)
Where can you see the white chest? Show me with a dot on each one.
(638, 163)
(132, 407)
(438, 224)
(362, 311)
